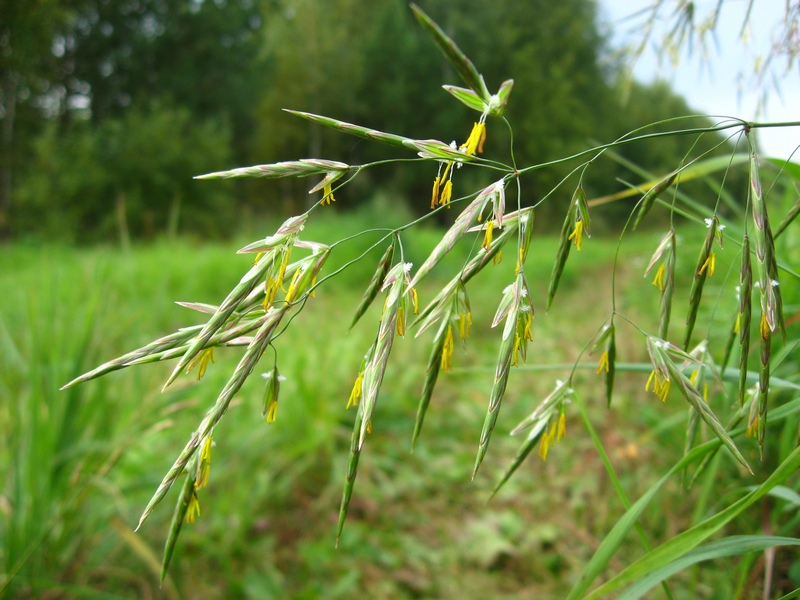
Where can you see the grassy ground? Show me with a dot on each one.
(80, 465)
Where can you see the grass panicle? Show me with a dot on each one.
(242, 371)
(265, 302)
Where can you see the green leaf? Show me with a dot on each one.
(790, 168)
(730, 546)
(682, 543)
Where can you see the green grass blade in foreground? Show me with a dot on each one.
(691, 538)
(730, 546)
(612, 541)
(617, 534)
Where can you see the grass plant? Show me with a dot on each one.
(622, 504)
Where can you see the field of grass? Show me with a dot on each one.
(79, 465)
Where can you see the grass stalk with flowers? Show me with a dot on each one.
(287, 270)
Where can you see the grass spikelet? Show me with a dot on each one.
(394, 284)
(744, 315)
(769, 292)
(384, 264)
(649, 198)
(703, 270)
(245, 367)
(669, 288)
(179, 515)
(175, 340)
(496, 396)
(665, 370)
(515, 307)
(356, 130)
(332, 169)
(352, 471)
(697, 378)
(582, 211)
(533, 438)
(455, 233)
(696, 400)
(431, 375)
(571, 223)
(287, 232)
(766, 264)
(547, 423)
(463, 65)
(665, 278)
(607, 366)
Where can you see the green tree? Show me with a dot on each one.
(27, 68)
(131, 175)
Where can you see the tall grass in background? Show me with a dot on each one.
(80, 460)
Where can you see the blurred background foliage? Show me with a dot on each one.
(109, 107)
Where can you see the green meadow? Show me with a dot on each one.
(80, 465)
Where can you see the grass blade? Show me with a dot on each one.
(729, 546)
(682, 543)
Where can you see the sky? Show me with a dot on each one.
(719, 80)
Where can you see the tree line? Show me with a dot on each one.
(109, 107)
